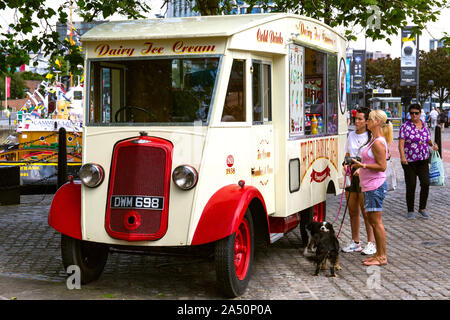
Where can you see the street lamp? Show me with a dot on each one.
(430, 85)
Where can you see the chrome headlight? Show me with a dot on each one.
(91, 175)
(185, 177)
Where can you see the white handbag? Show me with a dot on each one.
(391, 176)
(346, 180)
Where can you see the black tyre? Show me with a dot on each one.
(306, 217)
(234, 259)
(90, 257)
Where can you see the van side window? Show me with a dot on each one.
(267, 92)
(332, 96)
(262, 93)
(315, 92)
(234, 107)
(321, 92)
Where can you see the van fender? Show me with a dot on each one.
(224, 212)
(65, 210)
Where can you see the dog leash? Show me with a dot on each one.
(347, 171)
(343, 217)
(347, 174)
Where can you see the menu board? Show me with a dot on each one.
(296, 89)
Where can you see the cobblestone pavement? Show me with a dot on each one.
(418, 253)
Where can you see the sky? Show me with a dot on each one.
(434, 30)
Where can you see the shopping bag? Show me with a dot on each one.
(437, 174)
(391, 176)
(346, 180)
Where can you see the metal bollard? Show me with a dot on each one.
(9, 185)
(437, 138)
(62, 158)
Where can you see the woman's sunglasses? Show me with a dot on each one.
(414, 112)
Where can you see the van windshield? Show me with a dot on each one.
(151, 92)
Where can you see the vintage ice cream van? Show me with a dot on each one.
(220, 132)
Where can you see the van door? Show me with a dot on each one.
(108, 78)
(262, 135)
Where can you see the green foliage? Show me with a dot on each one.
(17, 89)
(385, 73)
(446, 40)
(434, 65)
(32, 15)
(391, 15)
(28, 75)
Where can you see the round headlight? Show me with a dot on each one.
(185, 177)
(91, 175)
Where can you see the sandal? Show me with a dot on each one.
(375, 261)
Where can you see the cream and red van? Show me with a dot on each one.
(218, 130)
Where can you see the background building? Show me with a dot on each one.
(435, 43)
(377, 55)
(180, 8)
(80, 29)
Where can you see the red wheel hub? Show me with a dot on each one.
(318, 212)
(242, 249)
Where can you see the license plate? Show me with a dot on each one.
(137, 202)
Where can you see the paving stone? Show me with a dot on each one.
(418, 253)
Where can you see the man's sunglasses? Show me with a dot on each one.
(414, 112)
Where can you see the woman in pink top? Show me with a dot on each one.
(373, 180)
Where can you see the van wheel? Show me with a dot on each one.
(306, 217)
(234, 259)
(90, 257)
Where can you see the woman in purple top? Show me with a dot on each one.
(414, 142)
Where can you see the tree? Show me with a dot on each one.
(30, 15)
(434, 65)
(381, 18)
(17, 88)
(385, 73)
(28, 75)
(21, 37)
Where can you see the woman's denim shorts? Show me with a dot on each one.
(373, 200)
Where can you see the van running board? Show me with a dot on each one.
(275, 236)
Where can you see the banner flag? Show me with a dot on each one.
(8, 87)
(408, 59)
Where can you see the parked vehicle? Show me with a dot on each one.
(196, 137)
(34, 145)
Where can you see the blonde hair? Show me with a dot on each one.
(385, 124)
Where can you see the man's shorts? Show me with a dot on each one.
(373, 200)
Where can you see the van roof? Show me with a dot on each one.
(198, 26)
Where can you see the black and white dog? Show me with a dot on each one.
(312, 230)
(322, 240)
